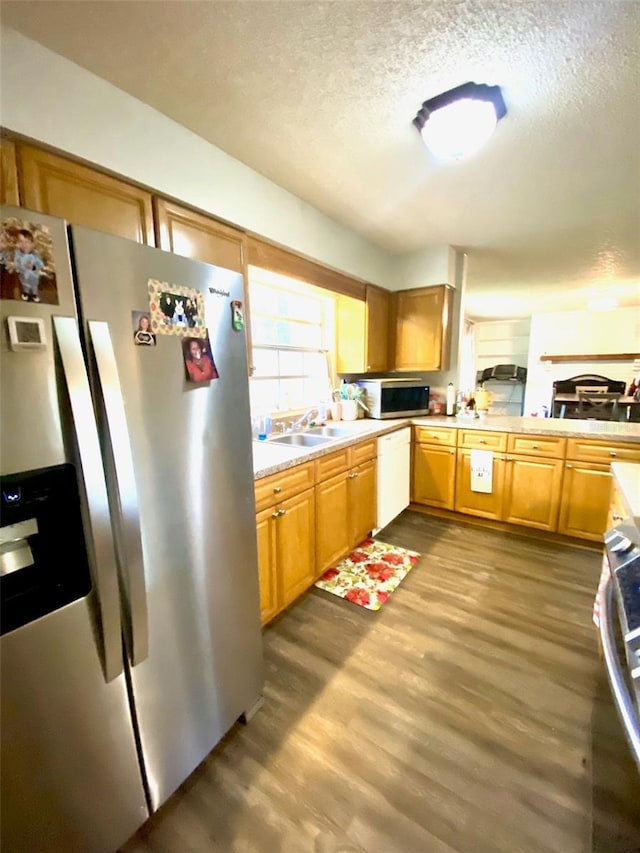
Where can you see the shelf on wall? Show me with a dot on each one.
(612, 356)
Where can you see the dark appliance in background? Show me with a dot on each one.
(503, 373)
(615, 724)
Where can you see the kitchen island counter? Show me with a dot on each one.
(627, 477)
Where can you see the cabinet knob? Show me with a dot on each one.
(282, 512)
(277, 490)
(568, 465)
(275, 514)
(452, 452)
(617, 517)
(534, 446)
(612, 453)
(482, 441)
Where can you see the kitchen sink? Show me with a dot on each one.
(301, 439)
(332, 432)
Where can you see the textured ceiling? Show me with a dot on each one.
(319, 97)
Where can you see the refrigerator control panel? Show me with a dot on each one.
(26, 333)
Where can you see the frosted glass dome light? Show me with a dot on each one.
(459, 122)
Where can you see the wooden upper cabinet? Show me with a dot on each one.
(83, 196)
(377, 330)
(422, 328)
(8, 173)
(194, 235)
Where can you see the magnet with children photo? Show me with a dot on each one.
(27, 269)
(198, 360)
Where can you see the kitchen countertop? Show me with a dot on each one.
(627, 476)
(270, 458)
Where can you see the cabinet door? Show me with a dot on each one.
(333, 532)
(532, 491)
(8, 173)
(479, 503)
(295, 545)
(266, 528)
(351, 319)
(586, 492)
(60, 187)
(362, 501)
(377, 330)
(423, 329)
(434, 475)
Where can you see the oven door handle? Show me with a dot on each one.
(615, 673)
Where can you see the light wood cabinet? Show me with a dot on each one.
(345, 502)
(295, 546)
(362, 332)
(482, 504)
(333, 531)
(266, 532)
(8, 173)
(83, 196)
(422, 328)
(587, 483)
(434, 466)
(586, 490)
(532, 491)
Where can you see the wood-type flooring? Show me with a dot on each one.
(457, 719)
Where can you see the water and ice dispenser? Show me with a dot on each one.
(43, 555)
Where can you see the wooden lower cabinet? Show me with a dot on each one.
(532, 491)
(345, 513)
(586, 493)
(434, 475)
(362, 501)
(333, 534)
(482, 504)
(286, 552)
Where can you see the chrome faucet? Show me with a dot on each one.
(304, 418)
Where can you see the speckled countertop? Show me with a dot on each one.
(627, 475)
(270, 458)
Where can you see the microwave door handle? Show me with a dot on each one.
(615, 673)
(99, 534)
(127, 526)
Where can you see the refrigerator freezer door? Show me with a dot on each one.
(70, 773)
(191, 450)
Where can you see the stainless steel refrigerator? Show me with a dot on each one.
(131, 637)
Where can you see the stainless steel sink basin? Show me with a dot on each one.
(301, 439)
(333, 432)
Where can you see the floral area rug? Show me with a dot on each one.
(369, 574)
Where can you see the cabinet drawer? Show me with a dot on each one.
(329, 466)
(435, 435)
(362, 452)
(537, 445)
(585, 450)
(482, 439)
(285, 484)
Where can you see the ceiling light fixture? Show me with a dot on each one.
(457, 123)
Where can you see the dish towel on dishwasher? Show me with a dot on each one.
(482, 471)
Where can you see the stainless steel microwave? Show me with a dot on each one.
(396, 398)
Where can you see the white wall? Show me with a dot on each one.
(579, 333)
(51, 100)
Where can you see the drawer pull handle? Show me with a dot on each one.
(612, 453)
(617, 517)
(534, 446)
(277, 490)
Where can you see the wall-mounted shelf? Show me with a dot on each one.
(612, 356)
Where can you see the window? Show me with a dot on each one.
(292, 331)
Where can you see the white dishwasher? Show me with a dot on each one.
(394, 469)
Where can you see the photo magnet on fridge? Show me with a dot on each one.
(237, 315)
(198, 360)
(176, 310)
(27, 268)
(142, 334)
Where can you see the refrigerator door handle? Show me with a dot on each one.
(615, 674)
(100, 539)
(128, 537)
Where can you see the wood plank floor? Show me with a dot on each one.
(455, 719)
